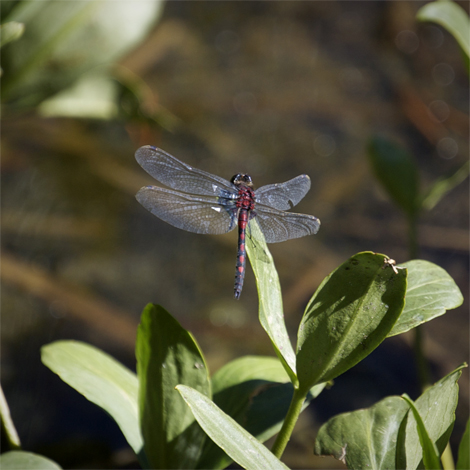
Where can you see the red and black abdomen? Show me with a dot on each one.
(245, 203)
(241, 255)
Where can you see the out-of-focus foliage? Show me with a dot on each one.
(444, 185)
(10, 32)
(62, 43)
(450, 16)
(395, 168)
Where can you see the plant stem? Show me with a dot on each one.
(447, 459)
(289, 422)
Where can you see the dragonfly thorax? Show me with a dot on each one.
(241, 179)
(246, 198)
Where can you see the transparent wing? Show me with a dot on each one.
(180, 176)
(280, 226)
(194, 214)
(283, 196)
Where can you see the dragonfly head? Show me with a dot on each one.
(241, 179)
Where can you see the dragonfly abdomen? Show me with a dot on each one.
(241, 255)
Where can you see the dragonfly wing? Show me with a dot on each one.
(194, 214)
(283, 196)
(180, 176)
(278, 226)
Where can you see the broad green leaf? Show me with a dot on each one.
(271, 313)
(10, 32)
(450, 16)
(463, 461)
(396, 170)
(20, 460)
(364, 438)
(430, 292)
(235, 385)
(168, 355)
(243, 369)
(349, 315)
(239, 444)
(101, 379)
(430, 453)
(63, 40)
(436, 406)
(442, 186)
(256, 392)
(8, 427)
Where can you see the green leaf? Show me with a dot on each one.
(396, 170)
(101, 379)
(243, 369)
(430, 453)
(10, 32)
(8, 426)
(442, 186)
(436, 406)
(364, 438)
(242, 382)
(20, 460)
(239, 444)
(463, 461)
(349, 315)
(256, 392)
(430, 292)
(450, 16)
(271, 313)
(168, 355)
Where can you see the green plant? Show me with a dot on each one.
(250, 399)
(397, 172)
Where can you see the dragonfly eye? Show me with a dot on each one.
(240, 178)
(236, 178)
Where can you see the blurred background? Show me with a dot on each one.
(272, 89)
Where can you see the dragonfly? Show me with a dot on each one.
(200, 202)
